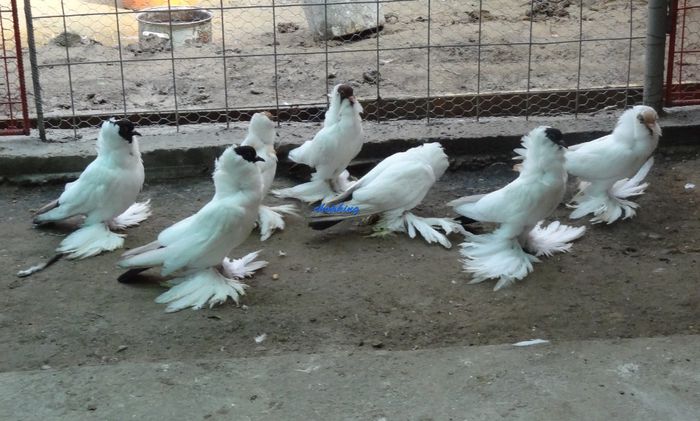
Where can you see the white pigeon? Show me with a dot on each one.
(330, 151)
(104, 194)
(261, 136)
(195, 248)
(392, 188)
(519, 209)
(612, 168)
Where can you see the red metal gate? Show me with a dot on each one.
(14, 115)
(683, 71)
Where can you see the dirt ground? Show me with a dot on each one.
(402, 62)
(338, 290)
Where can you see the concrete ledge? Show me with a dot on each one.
(635, 379)
(192, 150)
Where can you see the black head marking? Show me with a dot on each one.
(126, 129)
(345, 91)
(555, 136)
(248, 153)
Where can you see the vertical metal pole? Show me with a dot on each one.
(121, 57)
(478, 64)
(172, 62)
(70, 74)
(427, 96)
(379, 105)
(223, 48)
(655, 53)
(274, 52)
(529, 61)
(580, 56)
(629, 57)
(672, 51)
(31, 44)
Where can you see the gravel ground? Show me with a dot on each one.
(339, 291)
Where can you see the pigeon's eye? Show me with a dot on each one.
(640, 118)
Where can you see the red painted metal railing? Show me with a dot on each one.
(683, 65)
(14, 114)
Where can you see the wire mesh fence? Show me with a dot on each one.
(14, 116)
(407, 59)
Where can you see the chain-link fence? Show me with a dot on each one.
(417, 59)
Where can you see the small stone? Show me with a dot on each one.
(255, 92)
(275, 276)
(122, 348)
(92, 407)
(46, 367)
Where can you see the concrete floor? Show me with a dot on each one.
(638, 379)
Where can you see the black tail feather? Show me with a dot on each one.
(130, 275)
(324, 223)
(465, 220)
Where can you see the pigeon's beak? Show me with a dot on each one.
(351, 99)
(257, 158)
(135, 133)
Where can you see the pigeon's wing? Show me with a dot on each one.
(596, 159)
(368, 178)
(506, 204)
(193, 240)
(399, 186)
(89, 190)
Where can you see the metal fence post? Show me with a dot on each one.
(31, 45)
(655, 54)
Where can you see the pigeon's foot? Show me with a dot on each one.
(554, 238)
(134, 215)
(89, 241)
(487, 256)
(381, 232)
(342, 182)
(607, 209)
(427, 228)
(198, 289)
(270, 219)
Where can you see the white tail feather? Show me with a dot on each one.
(89, 241)
(270, 218)
(313, 191)
(625, 188)
(244, 267)
(134, 215)
(488, 256)
(554, 238)
(197, 289)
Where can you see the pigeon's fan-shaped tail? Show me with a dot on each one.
(210, 286)
(554, 238)
(199, 288)
(134, 215)
(270, 218)
(491, 256)
(90, 240)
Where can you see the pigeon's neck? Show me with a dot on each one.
(237, 182)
